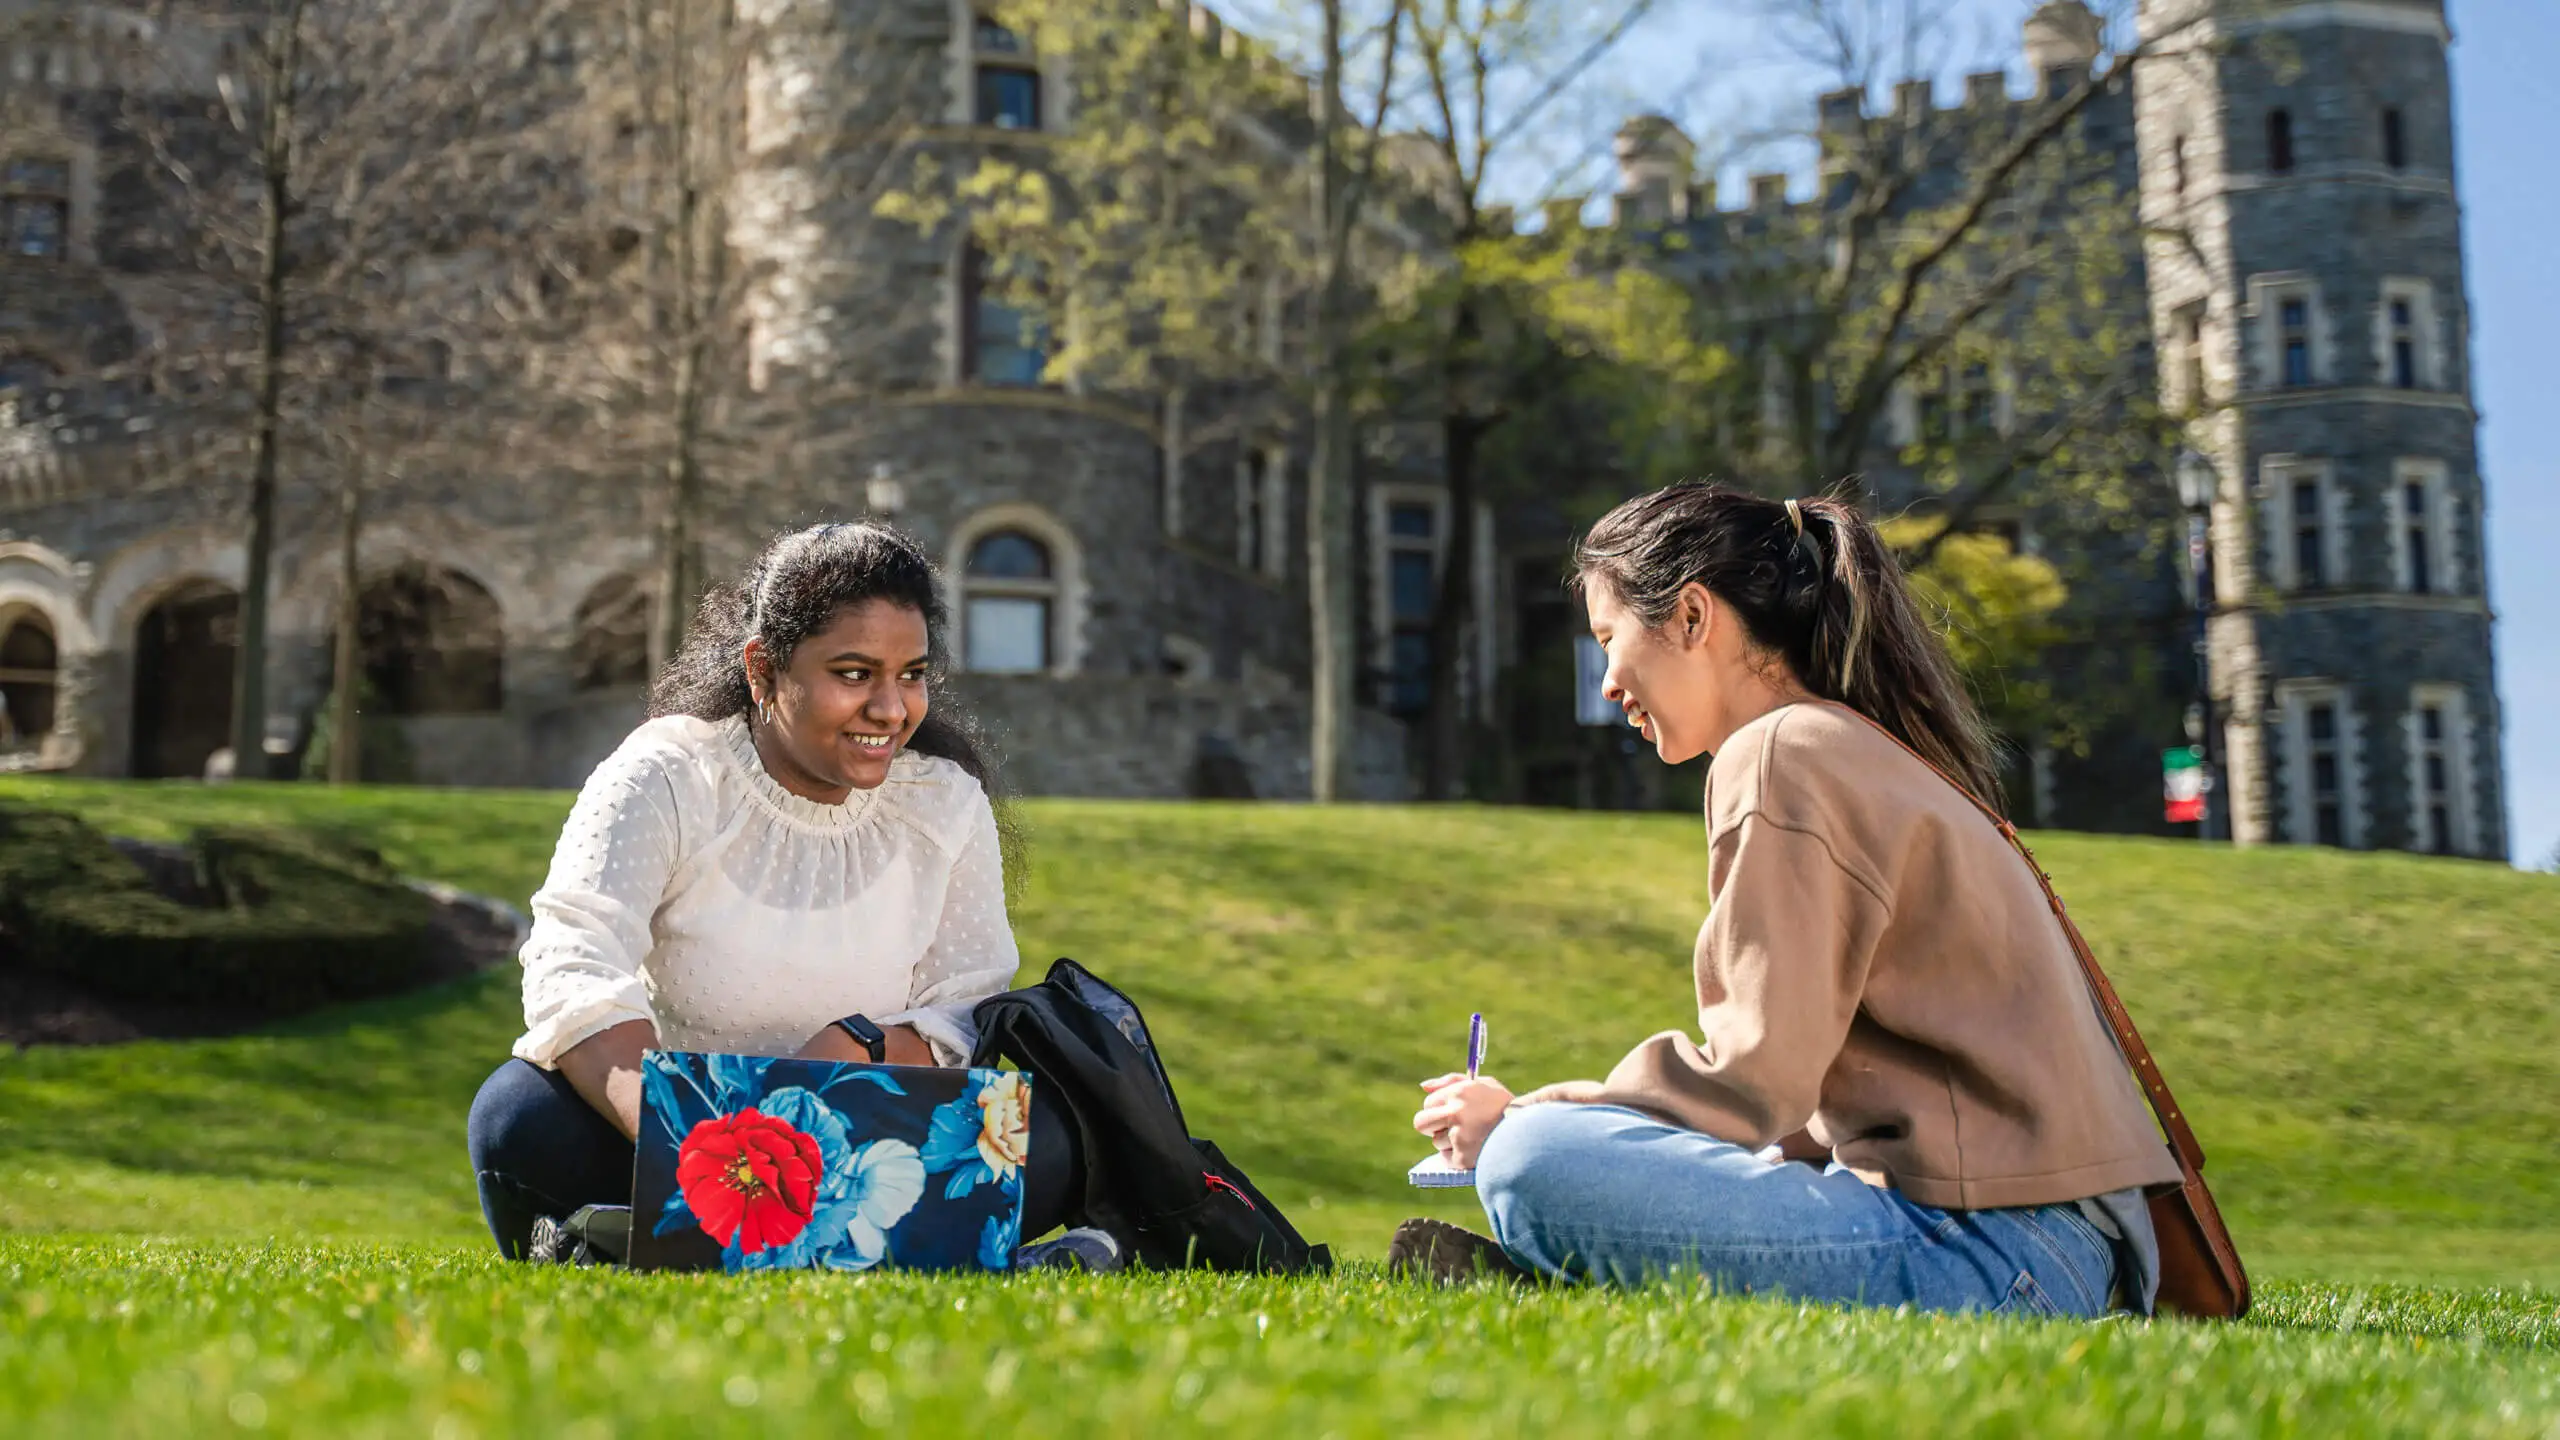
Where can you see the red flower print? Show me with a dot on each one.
(748, 1177)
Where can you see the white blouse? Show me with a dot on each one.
(692, 890)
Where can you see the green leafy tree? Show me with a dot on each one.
(1206, 204)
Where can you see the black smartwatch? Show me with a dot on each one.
(874, 1042)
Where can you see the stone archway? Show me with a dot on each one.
(30, 679)
(184, 651)
(433, 643)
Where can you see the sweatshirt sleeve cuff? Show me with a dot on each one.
(560, 1032)
(947, 1028)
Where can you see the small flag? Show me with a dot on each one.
(2183, 784)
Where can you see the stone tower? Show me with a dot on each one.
(2308, 298)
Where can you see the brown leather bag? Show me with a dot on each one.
(2200, 1270)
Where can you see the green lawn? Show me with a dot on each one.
(2367, 1045)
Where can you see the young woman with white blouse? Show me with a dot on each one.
(798, 836)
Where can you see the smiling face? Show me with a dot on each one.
(1687, 684)
(849, 699)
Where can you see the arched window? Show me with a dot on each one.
(30, 667)
(1009, 625)
(2279, 141)
(612, 645)
(1008, 79)
(1000, 343)
(433, 643)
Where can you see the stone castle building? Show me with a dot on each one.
(1137, 625)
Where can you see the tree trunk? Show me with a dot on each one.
(1334, 652)
(249, 679)
(699, 273)
(346, 738)
(1444, 767)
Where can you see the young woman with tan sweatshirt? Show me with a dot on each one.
(1900, 1091)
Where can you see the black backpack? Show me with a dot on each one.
(1170, 1200)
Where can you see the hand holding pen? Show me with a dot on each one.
(1460, 1109)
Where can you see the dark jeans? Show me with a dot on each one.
(539, 1148)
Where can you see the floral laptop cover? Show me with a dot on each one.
(747, 1162)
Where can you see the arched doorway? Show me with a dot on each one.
(433, 643)
(30, 670)
(184, 653)
(611, 647)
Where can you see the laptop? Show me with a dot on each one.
(750, 1162)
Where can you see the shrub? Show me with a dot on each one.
(383, 755)
(280, 923)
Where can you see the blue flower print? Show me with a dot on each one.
(998, 1242)
(982, 1136)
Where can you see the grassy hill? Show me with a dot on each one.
(2365, 1043)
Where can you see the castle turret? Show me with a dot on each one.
(1656, 161)
(2063, 39)
(2308, 298)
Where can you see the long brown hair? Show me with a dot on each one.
(1813, 584)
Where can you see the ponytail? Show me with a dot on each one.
(1814, 584)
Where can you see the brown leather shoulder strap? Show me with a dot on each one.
(2146, 1072)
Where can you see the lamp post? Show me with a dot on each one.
(2197, 482)
(883, 494)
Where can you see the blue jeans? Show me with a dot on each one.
(1601, 1193)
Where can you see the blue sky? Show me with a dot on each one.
(1709, 63)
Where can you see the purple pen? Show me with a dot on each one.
(1475, 1043)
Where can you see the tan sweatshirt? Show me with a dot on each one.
(1880, 967)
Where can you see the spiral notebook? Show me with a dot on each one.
(1434, 1173)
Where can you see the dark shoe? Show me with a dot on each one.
(1448, 1255)
(596, 1235)
(551, 1243)
(1092, 1251)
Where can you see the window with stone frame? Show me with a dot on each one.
(1010, 597)
(2317, 747)
(2293, 337)
(2178, 167)
(2435, 781)
(1008, 77)
(30, 675)
(2325, 776)
(2280, 140)
(2395, 138)
(2422, 528)
(2438, 731)
(2287, 331)
(1933, 416)
(2187, 332)
(1977, 400)
(1410, 544)
(1000, 343)
(2404, 318)
(1262, 517)
(35, 205)
(2305, 524)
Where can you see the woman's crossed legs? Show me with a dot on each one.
(1601, 1193)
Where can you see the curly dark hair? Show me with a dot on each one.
(794, 590)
